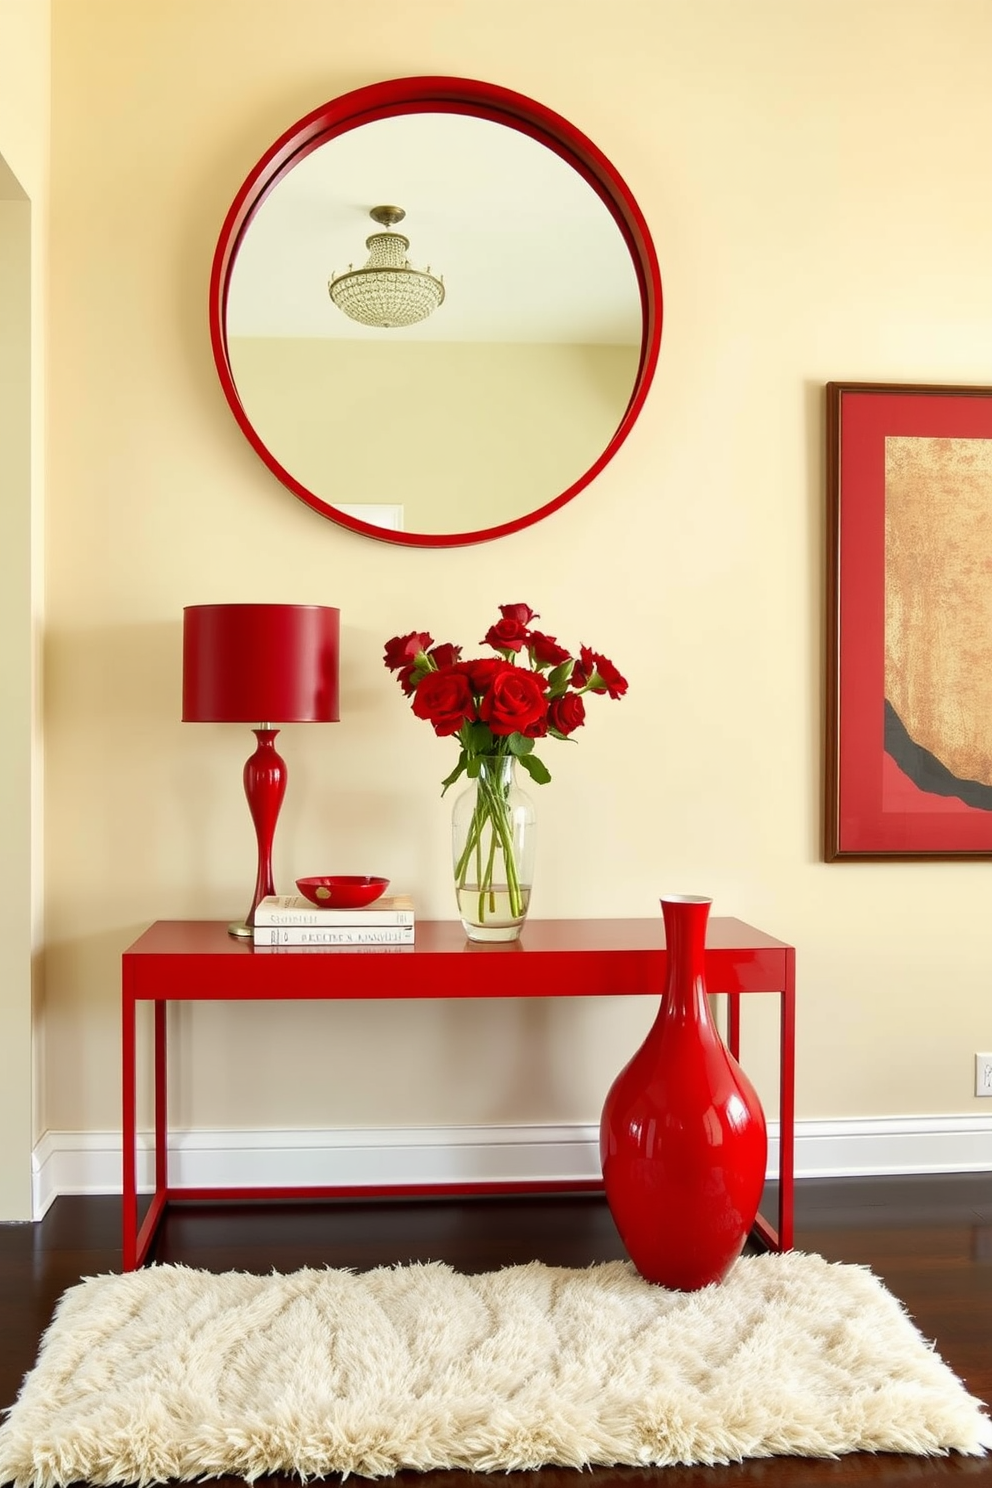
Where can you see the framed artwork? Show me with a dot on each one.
(909, 661)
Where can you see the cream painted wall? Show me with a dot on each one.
(514, 424)
(24, 119)
(815, 177)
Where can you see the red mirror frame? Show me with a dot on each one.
(438, 95)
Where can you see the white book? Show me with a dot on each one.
(332, 935)
(293, 909)
(322, 950)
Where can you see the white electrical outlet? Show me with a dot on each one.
(983, 1074)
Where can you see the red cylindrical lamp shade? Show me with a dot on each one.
(260, 663)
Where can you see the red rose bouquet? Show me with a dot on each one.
(496, 707)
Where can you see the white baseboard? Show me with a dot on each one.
(90, 1162)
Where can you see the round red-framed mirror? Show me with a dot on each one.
(533, 271)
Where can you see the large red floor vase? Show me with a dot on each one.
(683, 1139)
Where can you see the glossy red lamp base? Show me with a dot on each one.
(683, 1140)
(265, 787)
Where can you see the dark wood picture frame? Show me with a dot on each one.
(909, 625)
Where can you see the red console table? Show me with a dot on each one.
(197, 961)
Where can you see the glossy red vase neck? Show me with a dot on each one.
(685, 941)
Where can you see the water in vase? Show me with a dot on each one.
(486, 913)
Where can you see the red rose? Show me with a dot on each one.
(616, 685)
(445, 700)
(516, 703)
(445, 655)
(506, 635)
(545, 650)
(408, 677)
(567, 712)
(598, 674)
(584, 669)
(482, 670)
(403, 649)
(523, 613)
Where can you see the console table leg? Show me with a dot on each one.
(734, 1024)
(783, 1240)
(129, 1135)
(787, 1108)
(161, 1102)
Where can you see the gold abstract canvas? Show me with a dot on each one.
(938, 598)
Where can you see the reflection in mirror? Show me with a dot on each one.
(516, 380)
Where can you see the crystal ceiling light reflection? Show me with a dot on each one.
(388, 292)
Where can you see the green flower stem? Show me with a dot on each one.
(492, 810)
(499, 811)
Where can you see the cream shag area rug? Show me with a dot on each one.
(175, 1373)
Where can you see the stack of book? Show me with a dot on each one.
(291, 920)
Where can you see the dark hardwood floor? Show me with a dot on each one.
(929, 1239)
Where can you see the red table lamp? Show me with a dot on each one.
(261, 664)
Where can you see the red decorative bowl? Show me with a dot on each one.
(342, 890)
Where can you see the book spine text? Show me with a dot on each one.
(303, 935)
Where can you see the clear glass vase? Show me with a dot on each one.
(493, 842)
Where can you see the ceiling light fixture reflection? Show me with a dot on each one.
(387, 292)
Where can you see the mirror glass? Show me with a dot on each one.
(501, 403)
